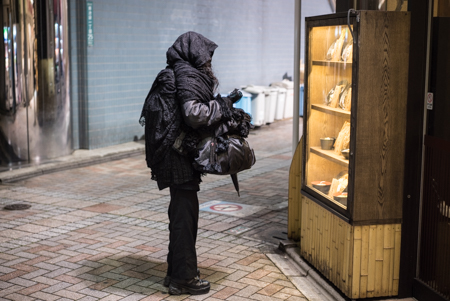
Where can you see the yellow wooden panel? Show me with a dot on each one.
(363, 287)
(391, 271)
(380, 243)
(314, 236)
(362, 261)
(371, 262)
(356, 261)
(309, 230)
(385, 278)
(398, 233)
(337, 230)
(388, 245)
(293, 204)
(322, 219)
(391, 259)
(378, 277)
(304, 229)
(346, 267)
(332, 262)
(300, 213)
(329, 226)
(365, 250)
(294, 196)
(379, 259)
(341, 251)
(328, 239)
(388, 237)
(320, 225)
(313, 233)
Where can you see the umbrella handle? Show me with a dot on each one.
(234, 178)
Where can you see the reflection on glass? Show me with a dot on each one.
(34, 98)
(329, 98)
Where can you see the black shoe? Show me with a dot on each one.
(166, 282)
(194, 286)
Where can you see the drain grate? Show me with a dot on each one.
(17, 207)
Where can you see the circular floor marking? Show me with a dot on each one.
(226, 207)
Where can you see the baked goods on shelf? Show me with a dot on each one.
(338, 184)
(343, 139)
(345, 102)
(347, 53)
(335, 50)
(334, 96)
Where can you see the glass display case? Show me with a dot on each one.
(353, 151)
(329, 105)
(355, 113)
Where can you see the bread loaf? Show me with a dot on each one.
(343, 139)
(348, 100)
(338, 185)
(347, 53)
(333, 187)
(338, 47)
(335, 98)
(343, 183)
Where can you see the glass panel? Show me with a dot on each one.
(329, 102)
(34, 84)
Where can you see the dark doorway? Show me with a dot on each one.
(434, 244)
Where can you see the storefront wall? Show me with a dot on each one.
(111, 79)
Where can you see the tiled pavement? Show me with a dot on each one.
(101, 232)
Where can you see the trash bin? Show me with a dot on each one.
(271, 104)
(289, 107)
(245, 103)
(289, 101)
(257, 104)
(281, 102)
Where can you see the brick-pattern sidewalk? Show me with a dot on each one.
(101, 233)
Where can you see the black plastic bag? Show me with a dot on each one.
(224, 155)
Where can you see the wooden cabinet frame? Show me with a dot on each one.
(357, 247)
(378, 115)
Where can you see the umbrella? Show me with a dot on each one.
(234, 178)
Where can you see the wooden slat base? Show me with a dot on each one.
(362, 261)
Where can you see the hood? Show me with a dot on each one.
(191, 47)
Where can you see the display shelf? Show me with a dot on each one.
(330, 155)
(328, 110)
(325, 195)
(374, 172)
(330, 63)
(367, 134)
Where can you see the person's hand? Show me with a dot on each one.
(235, 95)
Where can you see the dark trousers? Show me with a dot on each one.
(183, 224)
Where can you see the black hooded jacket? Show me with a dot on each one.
(181, 99)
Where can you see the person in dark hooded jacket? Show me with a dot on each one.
(178, 110)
